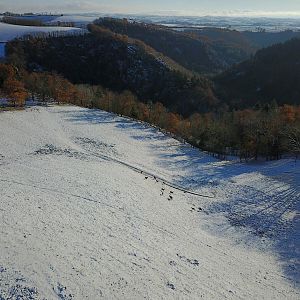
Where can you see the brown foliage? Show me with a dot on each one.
(248, 133)
(15, 91)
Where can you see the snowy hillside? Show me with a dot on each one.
(93, 205)
(9, 32)
(78, 20)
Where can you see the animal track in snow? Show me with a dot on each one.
(49, 149)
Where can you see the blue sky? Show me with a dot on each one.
(186, 7)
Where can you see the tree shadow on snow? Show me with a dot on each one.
(263, 197)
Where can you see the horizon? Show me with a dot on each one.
(189, 8)
(259, 15)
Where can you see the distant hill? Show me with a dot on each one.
(248, 41)
(197, 53)
(273, 73)
(265, 39)
(118, 63)
(227, 40)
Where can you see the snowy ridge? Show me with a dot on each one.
(78, 219)
(9, 31)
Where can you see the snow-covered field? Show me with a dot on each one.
(78, 20)
(94, 205)
(9, 31)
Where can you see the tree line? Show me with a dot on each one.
(22, 21)
(25, 21)
(267, 131)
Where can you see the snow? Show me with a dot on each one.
(82, 216)
(76, 19)
(9, 31)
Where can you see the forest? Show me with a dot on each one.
(203, 50)
(117, 63)
(195, 52)
(268, 131)
(273, 73)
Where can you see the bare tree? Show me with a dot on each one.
(293, 137)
